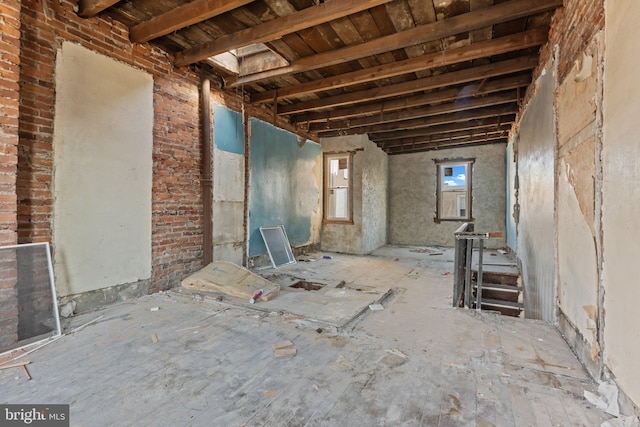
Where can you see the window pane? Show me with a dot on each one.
(454, 191)
(337, 190)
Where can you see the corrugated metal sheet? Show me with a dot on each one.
(536, 240)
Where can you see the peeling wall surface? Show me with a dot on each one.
(577, 258)
(621, 195)
(228, 185)
(511, 197)
(412, 195)
(103, 172)
(536, 228)
(369, 191)
(285, 184)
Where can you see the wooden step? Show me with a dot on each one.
(498, 287)
(500, 303)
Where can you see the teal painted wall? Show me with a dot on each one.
(228, 132)
(283, 188)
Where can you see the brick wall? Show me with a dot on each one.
(572, 30)
(177, 205)
(9, 107)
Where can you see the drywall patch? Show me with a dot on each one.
(103, 141)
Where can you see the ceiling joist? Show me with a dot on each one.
(453, 78)
(417, 148)
(274, 29)
(90, 8)
(445, 95)
(499, 13)
(510, 43)
(180, 17)
(460, 116)
(451, 107)
(477, 125)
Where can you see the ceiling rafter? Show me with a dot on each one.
(510, 43)
(477, 125)
(502, 12)
(416, 148)
(451, 107)
(180, 17)
(452, 78)
(276, 28)
(90, 8)
(444, 95)
(459, 116)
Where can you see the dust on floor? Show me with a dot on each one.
(175, 359)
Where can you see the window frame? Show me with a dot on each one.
(325, 188)
(440, 165)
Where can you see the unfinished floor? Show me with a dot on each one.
(199, 361)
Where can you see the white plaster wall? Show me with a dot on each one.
(103, 143)
(621, 194)
(412, 195)
(536, 227)
(374, 198)
(228, 206)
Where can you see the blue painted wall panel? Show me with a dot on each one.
(228, 132)
(283, 188)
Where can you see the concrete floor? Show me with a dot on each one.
(417, 362)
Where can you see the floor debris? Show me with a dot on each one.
(284, 352)
(231, 279)
(376, 307)
(154, 338)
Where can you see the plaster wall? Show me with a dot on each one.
(228, 186)
(103, 172)
(577, 253)
(621, 195)
(285, 181)
(536, 227)
(374, 197)
(512, 200)
(412, 195)
(369, 198)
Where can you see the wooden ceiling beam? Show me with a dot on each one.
(451, 107)
(518, 41)
(417, 148)
(475, 89)
(180, 17)
(502, 132)
(507, 11)
(452, 78)
(90, 8)
(474, 126)
(276, 28)
(460, 116)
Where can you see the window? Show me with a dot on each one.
(337, 187)
(454, 190)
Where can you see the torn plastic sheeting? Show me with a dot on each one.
(606, 399)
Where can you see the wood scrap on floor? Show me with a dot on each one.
(21, 365)
(284, 348)
(231, 279)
